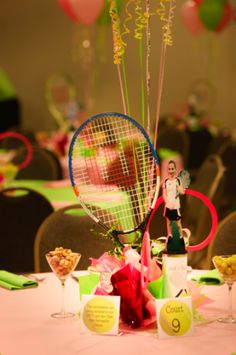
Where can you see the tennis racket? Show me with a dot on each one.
(61, 96)
(114, 171)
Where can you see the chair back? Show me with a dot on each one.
(207, 182)
(69, 227)
(227, 153)
(210, 182)
(42, 166)
(200, 141)
(219, 142)
(13, 141)
(22, 211)
(174, 139)
(224, 242)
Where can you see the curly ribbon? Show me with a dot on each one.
(128, 18)
(140, 23)
(167, 16)
(118, 49)
(141, 20)
(118, 45)
(166, 40)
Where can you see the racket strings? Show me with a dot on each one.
(112, 156)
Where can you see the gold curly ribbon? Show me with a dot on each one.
(141, 20)
(118, 45)
(128, 18)
(166, 16)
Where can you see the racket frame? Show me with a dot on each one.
(143, 224)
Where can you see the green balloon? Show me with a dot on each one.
(105, 18)
(211, 13)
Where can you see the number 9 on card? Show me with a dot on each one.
(174, 317)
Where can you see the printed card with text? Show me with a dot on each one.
(100, 314)
(174, 317)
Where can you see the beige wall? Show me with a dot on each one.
(36, 39)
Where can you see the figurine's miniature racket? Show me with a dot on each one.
(114, 171)
(185, 178)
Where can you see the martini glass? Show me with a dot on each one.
(226, 266)
(62, 262)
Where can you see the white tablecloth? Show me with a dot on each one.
(26, 327)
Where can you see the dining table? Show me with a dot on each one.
(27, 328)
(59, 192)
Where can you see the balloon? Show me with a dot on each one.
(227, 17)
(211, 13)
(87, 11)
(105, 18)
(190, 17)
(66, 7)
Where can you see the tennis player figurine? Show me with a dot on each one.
(172, 187)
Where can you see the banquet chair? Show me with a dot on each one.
(12, 143)
(227, 153)
(219, 142)
(207, 182)
(58, 165)
(22, 211)
(175, 140)
(42, 166)
(196, 217)
(69, 227)
(200, 141)
(224, 242)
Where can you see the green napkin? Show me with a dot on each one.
(165, 153)
(7, 90)
(156, 287)
(15, 282)
(211, 277)
(87, 283)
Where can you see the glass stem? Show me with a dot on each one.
(230, 311)
(63, 298)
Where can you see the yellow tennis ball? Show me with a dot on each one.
(175, 318)
(99, 315)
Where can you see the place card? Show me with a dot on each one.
(175, 276)
(100, 314)
(174, 317)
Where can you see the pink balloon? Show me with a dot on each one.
(190, 17)
(87, 11)
(66, 7)
(227, 17)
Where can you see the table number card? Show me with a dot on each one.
(100, 314)
(174, 317)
